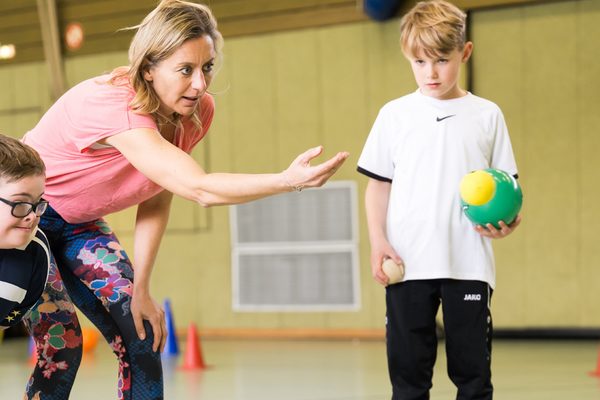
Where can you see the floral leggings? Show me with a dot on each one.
(99, 278)
(54, 325)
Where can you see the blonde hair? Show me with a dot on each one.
(434, 27)
(18, 160)
(157, 37)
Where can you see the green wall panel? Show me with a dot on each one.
(537, 63)
(278, 94)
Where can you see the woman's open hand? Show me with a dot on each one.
(301, 174)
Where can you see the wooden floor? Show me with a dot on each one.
(325, 370)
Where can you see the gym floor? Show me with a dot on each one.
(324, 370)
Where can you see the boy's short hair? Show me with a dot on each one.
(18, 160)
(435, 28)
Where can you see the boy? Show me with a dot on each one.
(31, 289)
(419, 148)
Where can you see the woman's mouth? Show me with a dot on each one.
(189, 102)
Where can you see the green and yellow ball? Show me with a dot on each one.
(489, 196)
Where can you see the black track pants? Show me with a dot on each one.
(412, 342)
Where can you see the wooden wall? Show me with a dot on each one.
(102, 20)
(279, 93)
(276, 95)
(540, 64)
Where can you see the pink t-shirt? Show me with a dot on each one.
(84, 181)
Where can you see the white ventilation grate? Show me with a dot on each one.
(297, 251)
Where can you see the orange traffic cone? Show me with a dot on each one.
(597, 371)
(192, 359)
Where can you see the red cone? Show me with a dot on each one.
(192, 359)
(597, 371)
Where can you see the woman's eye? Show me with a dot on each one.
(186, 70)
(208, 67)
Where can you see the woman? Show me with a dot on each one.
(123, 139)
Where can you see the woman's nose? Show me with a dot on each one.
(199, 82)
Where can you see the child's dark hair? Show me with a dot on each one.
(18, 160)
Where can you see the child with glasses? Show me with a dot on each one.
(21, 209)
(31, 289)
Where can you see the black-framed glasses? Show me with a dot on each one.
(21, 209)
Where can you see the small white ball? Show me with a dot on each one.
(394, 272)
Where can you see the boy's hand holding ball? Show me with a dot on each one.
(394, 272)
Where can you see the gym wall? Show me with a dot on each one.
(278, 93)
(540, 64)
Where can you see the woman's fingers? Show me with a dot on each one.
(302, 174)
(305, 158)
(157, 321)
(163, 340)
(138, 322)
(332, 165)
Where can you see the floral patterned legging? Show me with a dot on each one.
(55, 328)
(99, 278)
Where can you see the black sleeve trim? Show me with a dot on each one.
(372, 175)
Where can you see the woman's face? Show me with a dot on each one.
(182, 79)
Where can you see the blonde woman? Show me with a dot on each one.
(121, 140)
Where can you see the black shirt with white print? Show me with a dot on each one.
(23, 275)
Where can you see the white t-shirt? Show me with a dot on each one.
(424, 147)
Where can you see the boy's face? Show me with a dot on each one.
(438, 77)
(16, 232)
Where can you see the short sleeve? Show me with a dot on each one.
(502, 155)
(96, 109)
(375, 160)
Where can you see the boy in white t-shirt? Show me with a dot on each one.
(418, 150)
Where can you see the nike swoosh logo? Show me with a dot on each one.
(438, 119)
